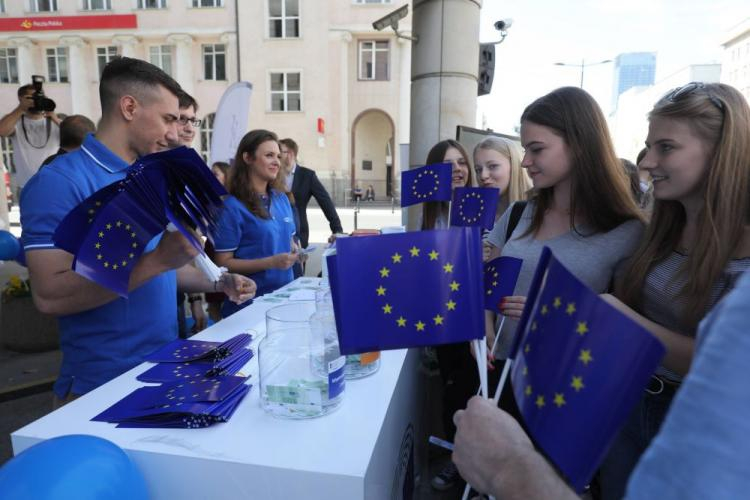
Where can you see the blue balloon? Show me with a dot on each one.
(75, 466)
(9, 246)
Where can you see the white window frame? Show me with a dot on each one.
(215, 53)
(87, 5)
(161, 54)
(6, 144)
(108, 56)
(59, 53)
(206, 133)
(34, 6)
(374, 51)
(161, 4)
(6, 61)
(284, 18)
(285, 92)
(2, 6)
(216, 4)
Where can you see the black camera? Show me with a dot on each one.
(41, 103)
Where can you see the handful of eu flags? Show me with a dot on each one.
(108, 232)
(198, 386)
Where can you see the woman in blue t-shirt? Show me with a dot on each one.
(254, 235)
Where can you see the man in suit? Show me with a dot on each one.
(303, 183)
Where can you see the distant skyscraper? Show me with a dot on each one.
(632, 69)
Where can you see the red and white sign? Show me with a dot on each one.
(117, 21)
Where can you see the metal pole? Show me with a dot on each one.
(582, 66)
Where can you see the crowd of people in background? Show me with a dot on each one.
(664, 239)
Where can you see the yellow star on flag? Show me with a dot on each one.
(380, 290)
(577, 383)
(448, 268)
(98, 245)
(559, 399)
(557, 303)
(585, 356)
(101, 234)
(99, 256)
(384, 272)
(454, 286)
(438, 320)
(118, 223)
(450, 305)
(582, 328)
(396, 258)
(387, 309)
(571, 308)
(433, 255)
(528, 390)
(420, 326)
(533, 326)
(525, 370)
(414, 251)
(108, 226)
(545, 309)
(401, 321)
(540, 401)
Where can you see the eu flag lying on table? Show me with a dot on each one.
(108, 232)
(579, 368)
(500, 277)
(428, 183)
(406, 290)
(474, 207)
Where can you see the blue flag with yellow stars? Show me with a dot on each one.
(407, 290)
(428, 183)
(500, 276)
(579, 369)
(474, 207)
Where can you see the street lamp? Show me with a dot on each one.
(583, 65)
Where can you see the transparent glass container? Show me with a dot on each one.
(362, 365)
(290, 387)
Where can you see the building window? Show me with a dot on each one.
(152, 4)
(214, 62)
(283, 18)
(57, 64)
(43, 5)
(286, 91)
(6, 144)
(161, 57)
(373, 60)
(97, 4)
(207, 130)
(372, 1)
(208, 3)
(2, 6)
(104, 55)
(8, 66)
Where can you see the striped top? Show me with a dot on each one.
(661, 301)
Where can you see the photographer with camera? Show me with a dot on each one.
(34, 129)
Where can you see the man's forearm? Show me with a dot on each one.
(190, 279)
(529, 475)
(8, 122)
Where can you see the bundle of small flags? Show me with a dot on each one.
(108, 231)
(198, 386)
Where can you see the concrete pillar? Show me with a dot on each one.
(445, 62)
(230, 46)
(25, 59)
(127, 45)
(77, 75)
(404, 104)
(345, 133)
(183, 69)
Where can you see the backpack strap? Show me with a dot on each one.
(515, 216)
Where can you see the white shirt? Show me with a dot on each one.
(31, 146)
(290, 178)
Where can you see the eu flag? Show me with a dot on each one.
(500, 276)
(579, 369)
(405, 290)
(474, 207)
(428, 183)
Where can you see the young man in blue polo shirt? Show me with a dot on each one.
(102, 334)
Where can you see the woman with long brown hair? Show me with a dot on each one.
(254, 235)
(695, 248)
(435, 214)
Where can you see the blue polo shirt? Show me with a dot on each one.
(251, 237)
(104, 342)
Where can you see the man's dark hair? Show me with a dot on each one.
(290, 144)
(186, 100)
(23, 88)
(128, 76)
(73, 130)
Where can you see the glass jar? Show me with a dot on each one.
(289, 386)
(362, 365)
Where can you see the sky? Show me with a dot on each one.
(681, 32)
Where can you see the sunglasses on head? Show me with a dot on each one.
(680, 92)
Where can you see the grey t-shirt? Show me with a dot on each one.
(592, 259)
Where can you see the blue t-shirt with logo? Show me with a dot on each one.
(251, 237)
(106, 341)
